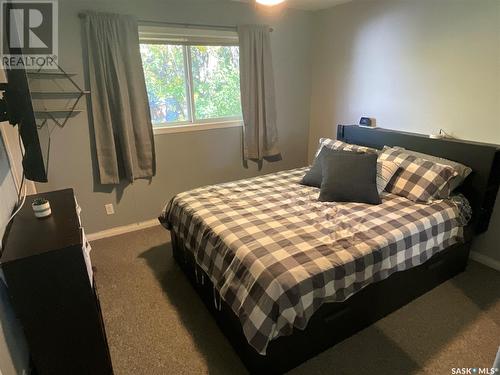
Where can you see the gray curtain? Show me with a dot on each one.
(122, 123)
(260, 136)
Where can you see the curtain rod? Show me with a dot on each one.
(186, 25)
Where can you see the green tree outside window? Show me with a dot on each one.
(215, 82)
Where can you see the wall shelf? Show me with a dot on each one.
(50, 75)
(58, 115)
(57, 94)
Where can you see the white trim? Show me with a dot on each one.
(486, 260)
(480, 258)
(10, 139)
(188, 77)
(197, 127)
(122, 229)
(13, 166)
(170, 34)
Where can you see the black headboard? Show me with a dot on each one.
(480, 188)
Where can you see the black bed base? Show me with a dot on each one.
(333, 322)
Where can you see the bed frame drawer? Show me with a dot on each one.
(333, 322)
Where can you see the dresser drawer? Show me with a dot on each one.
(86, 248)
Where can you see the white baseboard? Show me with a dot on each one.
(486, 260)
(480, 258)
(123, 229)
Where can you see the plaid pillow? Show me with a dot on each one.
(342, 146)
(462, 170)
(417, 179)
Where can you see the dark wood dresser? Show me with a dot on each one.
(46, 267)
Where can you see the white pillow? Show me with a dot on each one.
(386, 169)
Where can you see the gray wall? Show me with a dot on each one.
(13, 352)
(185, 160)
(413, 65)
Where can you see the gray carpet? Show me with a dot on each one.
(157, 325)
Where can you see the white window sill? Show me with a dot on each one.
(197, 127)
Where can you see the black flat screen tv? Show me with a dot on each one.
(17, 108)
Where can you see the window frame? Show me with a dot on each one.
(192, 124)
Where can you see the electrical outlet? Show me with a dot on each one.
(110, 210)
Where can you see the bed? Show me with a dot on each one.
(287, 276)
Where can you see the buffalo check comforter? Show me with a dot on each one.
(275, 253)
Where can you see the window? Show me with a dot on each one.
(192, 77)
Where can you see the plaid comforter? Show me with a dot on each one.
(275, 253)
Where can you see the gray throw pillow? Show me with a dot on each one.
(314, 176)
(350, 177)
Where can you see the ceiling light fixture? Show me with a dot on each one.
(270, 2)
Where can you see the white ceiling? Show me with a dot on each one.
(308, 4)
(314, 4)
